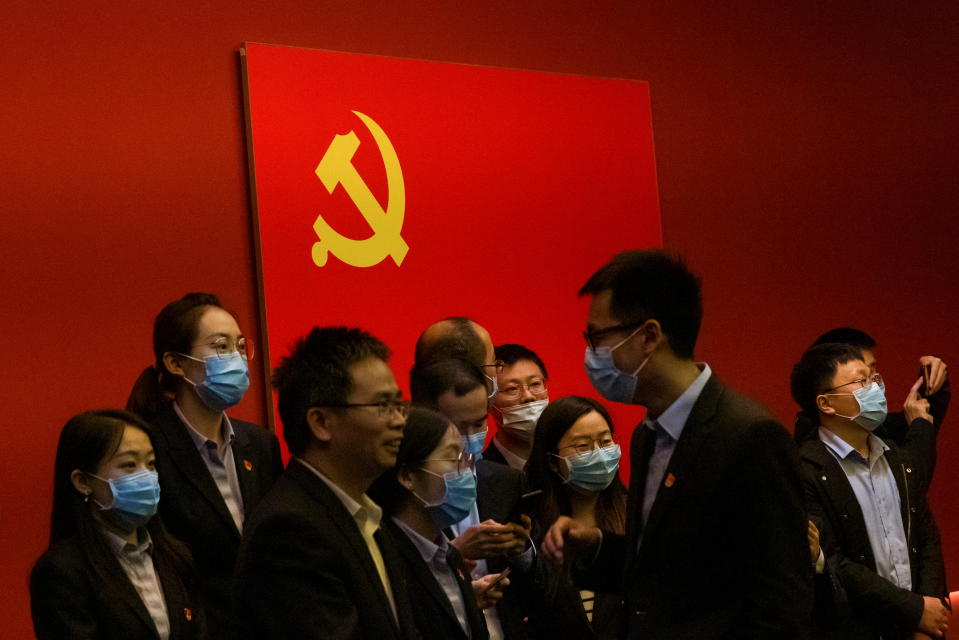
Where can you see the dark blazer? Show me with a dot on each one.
(431, 608)
(194, 511)
(875, 605)
(492, 454)
(724, 554)
(305, 572)
(498, 490)
(77, 594)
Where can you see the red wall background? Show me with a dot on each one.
(806, 161)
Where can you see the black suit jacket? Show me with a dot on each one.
(875, 605)
(305, 572)
(194, 511)
(498, 490)
(81, 595)
(724, 553)
(492, 454)
(432, 610)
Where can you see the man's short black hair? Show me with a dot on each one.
(461, 341)
(428, 382)
(812, 375)
(847, 335)
(513, 353)
(316, 373)
(652, 284)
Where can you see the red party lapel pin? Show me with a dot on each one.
(248, 465)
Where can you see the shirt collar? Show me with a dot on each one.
(200, 440)
(844, 450)
(120, 546)
(364, 511)
(511, 458)
(673, 419)
(428, 549)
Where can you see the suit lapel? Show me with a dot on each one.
(184, 454)
(119, 583)
(902, 473)
(642, 440)
(684, 455)
(244, 455)
(420, 571)
(343, 520)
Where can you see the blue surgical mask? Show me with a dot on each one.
(594, 470)
(612, 384)
(474, 443)
(227, 379)
(457, 502)
(135, 499)
(872, 406)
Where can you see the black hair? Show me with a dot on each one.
(813, 373)
(424, 430)
(317, 373)
(460, 341)
(174, 330)
(513, 353)
(651, 284)
(428, 382)
(86, 441)
(847, 335)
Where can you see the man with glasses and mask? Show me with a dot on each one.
(715, 543)
(314, 562)
(868, 495)
(517, 405)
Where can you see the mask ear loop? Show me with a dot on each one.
(846, 394)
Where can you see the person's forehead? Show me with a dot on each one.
(851, 370)
(372, 377)
(216, 321)
(587, 426)
(521, 370)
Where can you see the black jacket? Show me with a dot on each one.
(78, 594)
(875, 605)
(305, 572)
(194, 511)
(724, 554)
(432, 610)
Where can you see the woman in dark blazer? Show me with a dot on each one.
(213, 469)
(574, 462)
(430, 487)
(111, 570)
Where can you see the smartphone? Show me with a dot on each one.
(525, 504)
(924, 387)
(505, 572)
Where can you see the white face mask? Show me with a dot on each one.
(520, 419)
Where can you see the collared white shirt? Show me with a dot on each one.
(435, 557)
(137, 562)
(511, 458)
(668, 428)
(877, 493)
(219, 461)
(367, 515)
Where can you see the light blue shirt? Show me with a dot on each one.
(876, 491)
(668, 428)
(435, 557)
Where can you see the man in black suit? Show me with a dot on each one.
(313, 561)
(715, 544)
(521, 398)
(456, 388)
(868, 496)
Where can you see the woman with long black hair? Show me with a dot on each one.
(111, 570)
(574, 462)
(213, 469)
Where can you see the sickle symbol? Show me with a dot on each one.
(335, 168)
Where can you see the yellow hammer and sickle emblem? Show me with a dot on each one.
(335, 168)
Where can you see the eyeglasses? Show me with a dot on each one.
(498, 366)
(223, 347)
(862, 382)
(585, 447)
(384, 409)
(592, 336)
(513, 391)
(465, 460)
